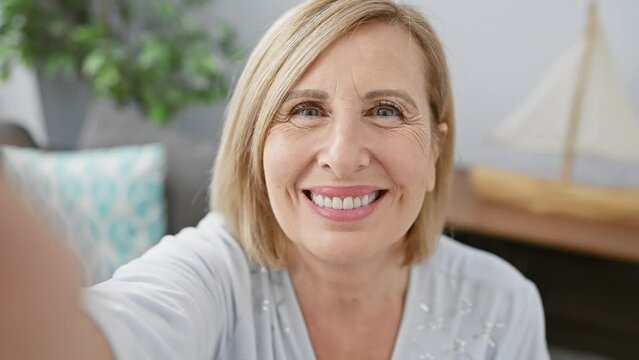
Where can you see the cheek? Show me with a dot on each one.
(417, 140)
(273, 159)
(276, 175)
(410, 163)
(284, 161)
(284, 164)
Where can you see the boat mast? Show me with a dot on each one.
(577, 105)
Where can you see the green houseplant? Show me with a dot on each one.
(145, 52)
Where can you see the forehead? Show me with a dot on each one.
(374, 55)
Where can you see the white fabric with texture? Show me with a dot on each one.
(195, 296)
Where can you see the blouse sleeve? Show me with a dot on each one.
(527, 336)
(172, 303)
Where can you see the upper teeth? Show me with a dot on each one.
(345, 203)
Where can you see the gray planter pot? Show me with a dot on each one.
(64, 107)
(66, 103)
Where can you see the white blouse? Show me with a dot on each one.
(195, 296)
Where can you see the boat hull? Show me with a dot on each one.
(553, 197)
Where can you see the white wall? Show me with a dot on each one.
(498, 51)
(20, 102)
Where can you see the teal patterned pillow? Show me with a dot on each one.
(109, 202)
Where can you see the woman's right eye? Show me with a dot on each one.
(306, 110)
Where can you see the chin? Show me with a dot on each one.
(343, 249)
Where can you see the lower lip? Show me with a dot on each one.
(345, 215)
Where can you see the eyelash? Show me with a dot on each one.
(306, 105)
(383, 103)
(393, 105)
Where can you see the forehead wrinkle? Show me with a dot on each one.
(307, 93)
(358, 93)
(359, 58)
(342, 93)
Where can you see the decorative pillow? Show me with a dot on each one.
(108, 202)
(189, 162)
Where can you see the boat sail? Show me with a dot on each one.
(579, 107)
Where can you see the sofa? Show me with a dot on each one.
(185, 171)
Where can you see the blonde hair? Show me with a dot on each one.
(238, 190)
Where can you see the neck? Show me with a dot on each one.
(373, 283)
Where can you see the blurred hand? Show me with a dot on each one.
(40, 313)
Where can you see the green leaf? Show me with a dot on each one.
(93, 63)
(106, 79)
(166, 9)
(157, 58)
(229, 45)
(158, 114)
(57, 27)
(153, 54)
(86, 34)
(59, 64)
(5, 70)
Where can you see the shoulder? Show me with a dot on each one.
(465, 279)
(206, 254)
(179, 299)
(461, 263)
(208, 245)
(481, 299)
(201, 261)
(211, 230)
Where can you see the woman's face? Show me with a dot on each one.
(349, 157)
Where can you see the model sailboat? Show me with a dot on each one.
(580, 107)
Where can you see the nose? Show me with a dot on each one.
(345, 150)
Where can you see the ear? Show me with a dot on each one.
(443, 131)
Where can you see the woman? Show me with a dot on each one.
(328, 199)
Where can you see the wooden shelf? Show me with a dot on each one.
(470, 213)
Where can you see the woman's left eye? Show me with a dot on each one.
(387, 110)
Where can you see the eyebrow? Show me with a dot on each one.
(374, 94)
(307, 93)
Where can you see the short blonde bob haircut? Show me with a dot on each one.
(238, 189)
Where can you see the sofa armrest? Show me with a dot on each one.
(14, 134)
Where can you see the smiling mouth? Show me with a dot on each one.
(345, 202)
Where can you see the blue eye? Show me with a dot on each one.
(309, 112)
(386, 111)
(306, 110)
